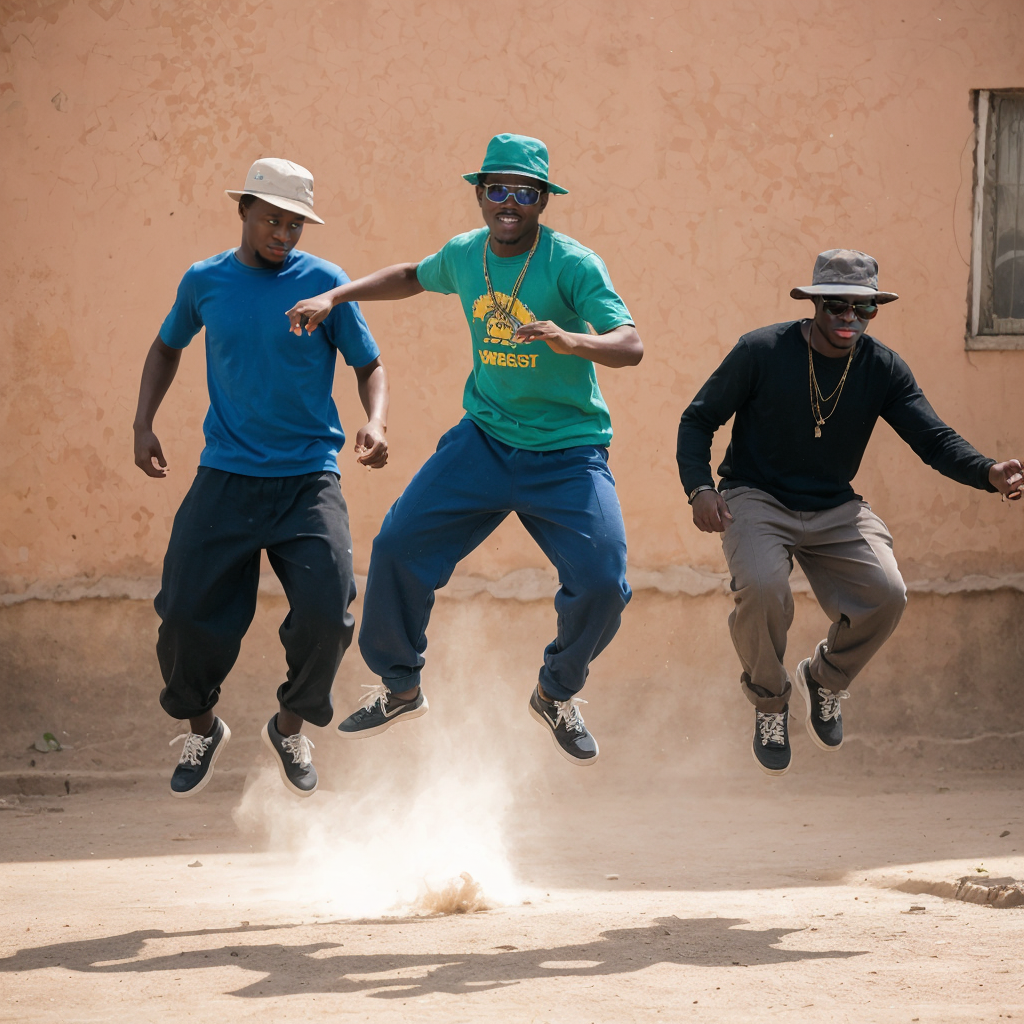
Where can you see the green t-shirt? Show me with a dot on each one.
(524, 394)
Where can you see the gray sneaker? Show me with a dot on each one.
(199, 755)
(293, 758)
(562, 718)
(824, 719)
(772, 751)
(380, 711)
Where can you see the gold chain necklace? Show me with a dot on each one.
(506, 314)
(817, 400)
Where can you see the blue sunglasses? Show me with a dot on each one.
(524, 195)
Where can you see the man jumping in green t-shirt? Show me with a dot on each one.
(534, 441)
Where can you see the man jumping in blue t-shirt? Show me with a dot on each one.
(541, 312)
(268, 477)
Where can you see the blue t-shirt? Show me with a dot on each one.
(271, 411)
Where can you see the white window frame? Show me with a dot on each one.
(974, 339)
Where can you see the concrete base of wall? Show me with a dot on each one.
(665, 694)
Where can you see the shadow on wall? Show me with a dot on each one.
(307, 968)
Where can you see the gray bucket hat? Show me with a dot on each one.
(844, 272)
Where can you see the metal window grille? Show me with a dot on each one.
(997, 299)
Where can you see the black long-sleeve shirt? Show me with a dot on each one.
(764, 381)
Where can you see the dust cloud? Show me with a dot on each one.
(413, 824)
(463, 897)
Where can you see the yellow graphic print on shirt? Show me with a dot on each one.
(499, 332)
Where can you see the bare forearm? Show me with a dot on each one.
(371, 445)
(397, 282)
(157, 374)
(619, 347)
(374, 393)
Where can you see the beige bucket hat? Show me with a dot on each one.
(281, 183)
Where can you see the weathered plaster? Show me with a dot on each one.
(710, 149)
(519, 585)
(667, 687)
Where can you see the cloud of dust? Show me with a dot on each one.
(416, 826)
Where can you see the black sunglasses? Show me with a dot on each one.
(524, 195)
(861, 310)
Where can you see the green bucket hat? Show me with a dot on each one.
(516, 154)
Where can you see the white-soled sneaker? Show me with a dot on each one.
(293, 757)
(824, 719)
(198, 756)
(380, 711)
(563, 719)
(772, 751)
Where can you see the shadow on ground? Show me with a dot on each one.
(320, 967)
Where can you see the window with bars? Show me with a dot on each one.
(997, 266)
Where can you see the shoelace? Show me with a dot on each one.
(772, 728)
(569, 712)
(378, 692)
(830, 703)
(299, 747)
(195, 747)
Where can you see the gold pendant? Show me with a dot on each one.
(513, 321)
(817, 431)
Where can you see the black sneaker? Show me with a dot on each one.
(772, 751)
(824, 719)
(380, 711)
(294, 761)
(200, 753)
(563, 719)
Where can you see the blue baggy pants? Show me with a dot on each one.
(566, 500)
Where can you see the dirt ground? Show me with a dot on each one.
(665, 897)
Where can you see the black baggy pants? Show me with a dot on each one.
(211, 573)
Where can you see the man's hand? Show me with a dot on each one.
(544, 330)
(371, 447)
(309, 313)
(621, 346)
(157, 373)
(1007, 478)
(710, 512)
(149, 456)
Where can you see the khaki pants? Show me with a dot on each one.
(846, 554)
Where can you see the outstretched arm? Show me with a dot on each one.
(397, 282)
(938, 445)
(371, 446)
(157, 373)
(621, 346)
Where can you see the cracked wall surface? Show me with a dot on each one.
(711, 150)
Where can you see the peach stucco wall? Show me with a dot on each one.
(711, 150)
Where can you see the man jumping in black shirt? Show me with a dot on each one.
(806, 395)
